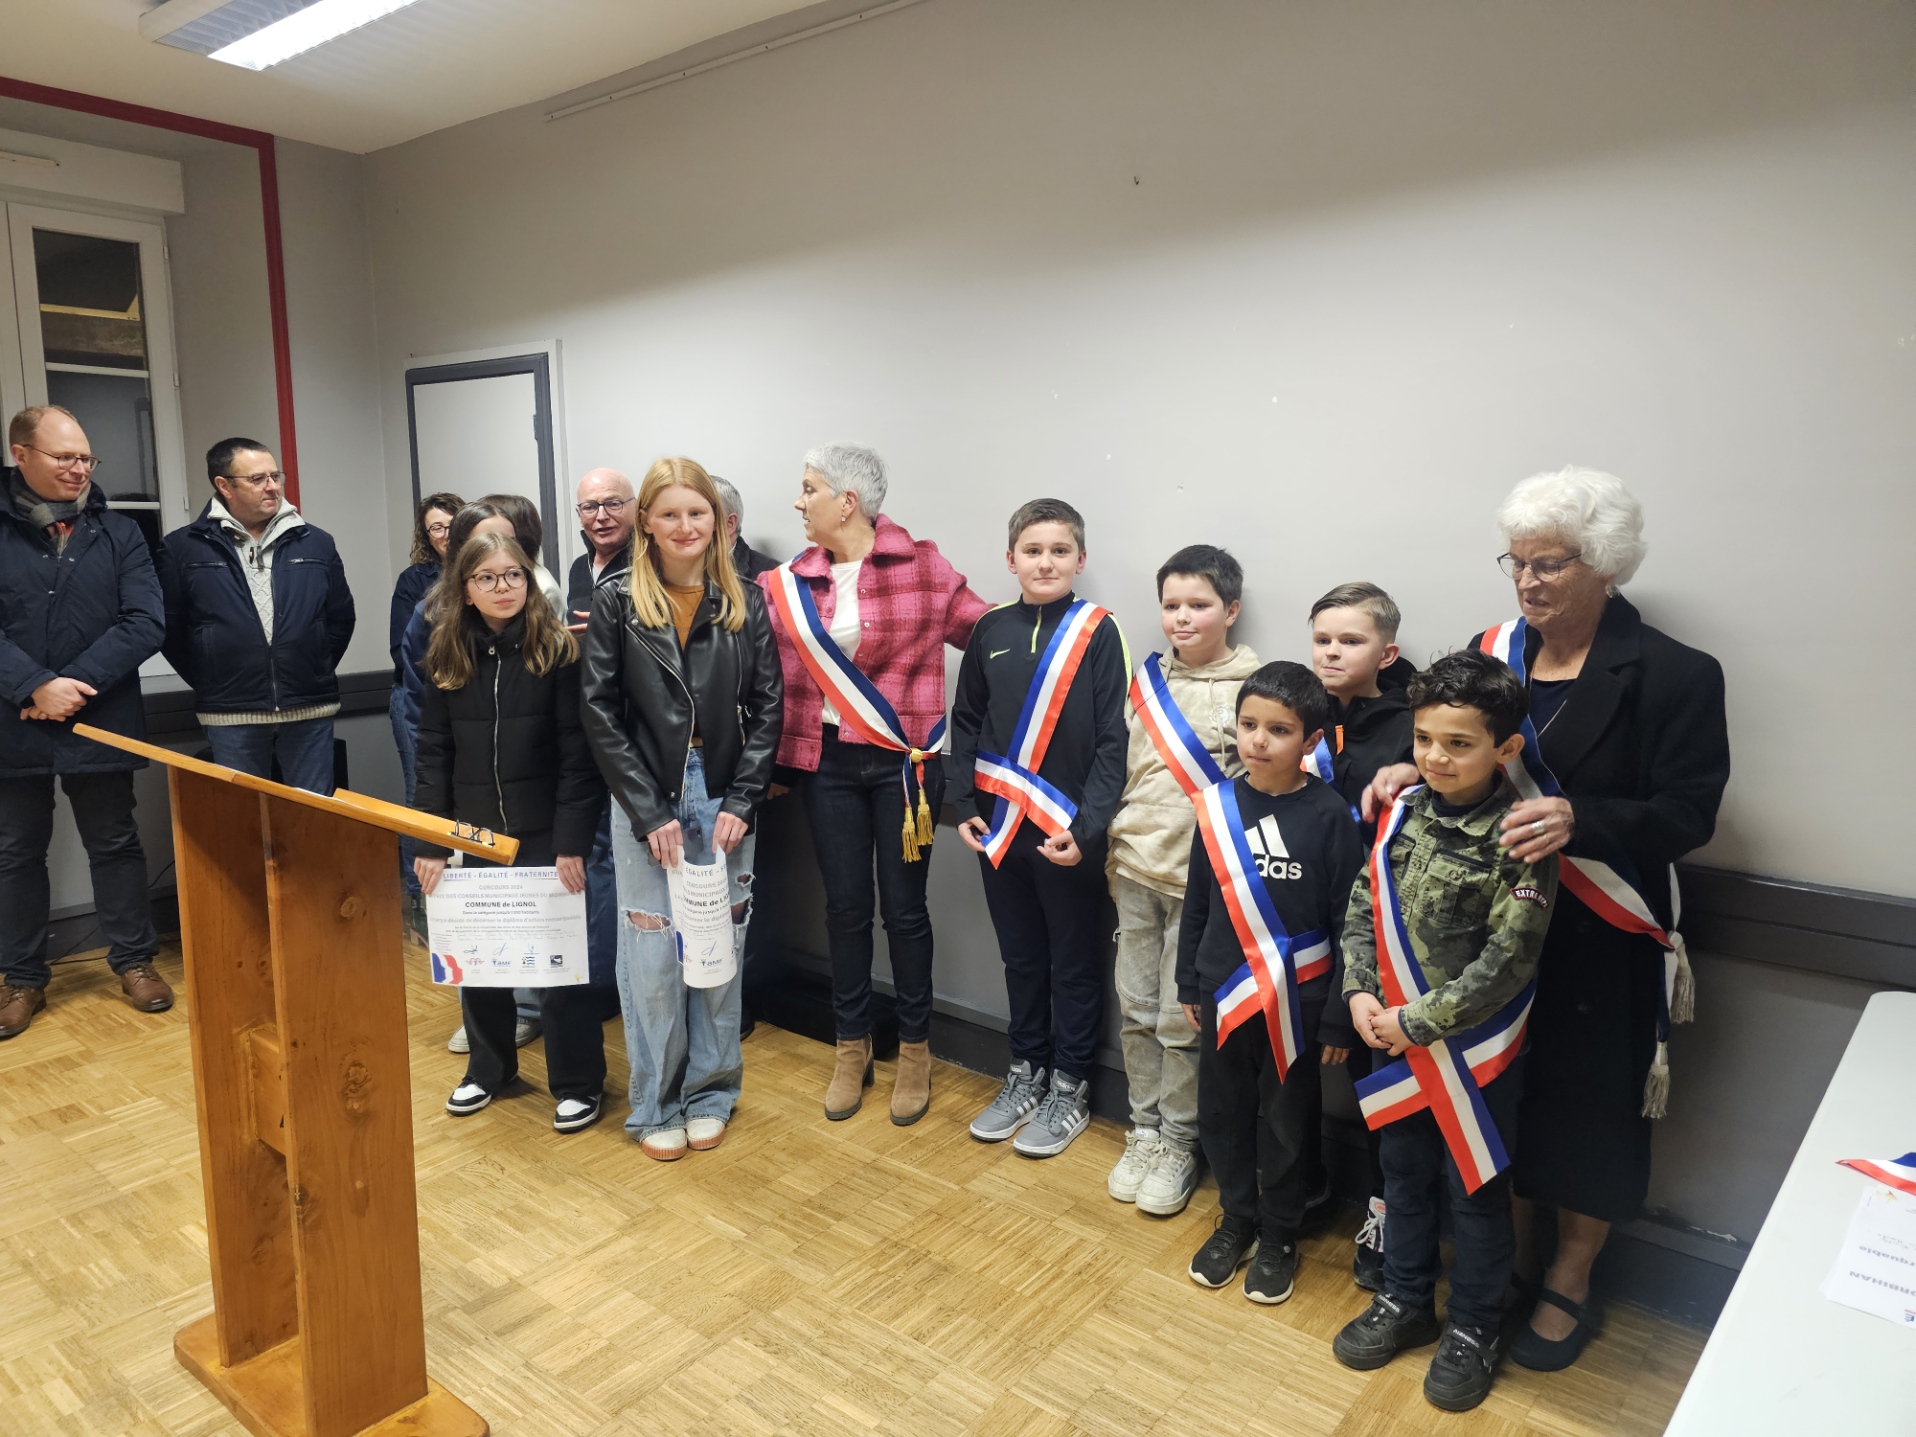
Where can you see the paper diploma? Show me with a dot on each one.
(491, 927)
(702, 922)
(1876, 1270)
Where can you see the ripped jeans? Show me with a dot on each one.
(683, 1042)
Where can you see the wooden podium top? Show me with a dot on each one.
(375, 812)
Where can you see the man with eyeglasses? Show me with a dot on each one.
(80, 611)
(258, 616)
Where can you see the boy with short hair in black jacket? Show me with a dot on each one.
(1038, 744)
(1354, 652)
(1257, 1123)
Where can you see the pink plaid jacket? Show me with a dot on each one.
(911, 603)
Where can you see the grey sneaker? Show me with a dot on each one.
(1140, 1151)
(1170, 1183)
(459, 1042)
(525, 1030)
(1013, 1106)
(1064, 1113)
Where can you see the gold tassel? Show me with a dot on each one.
(1683, 991)
(925, 833)
(1656, 1084)
(911, 838)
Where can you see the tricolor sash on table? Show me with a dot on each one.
(1275, 963)
(861, 707)
(1613, 892)
(1171, 733)
(1014, 780)
(1897, 1172)
(1446, 1077)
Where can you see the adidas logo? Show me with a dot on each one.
(1268, 850)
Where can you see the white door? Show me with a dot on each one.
(94, 320)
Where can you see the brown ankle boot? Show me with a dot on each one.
(845, 1094)
(911, 1087)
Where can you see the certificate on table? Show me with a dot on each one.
(506, 928)
(1876, 1270)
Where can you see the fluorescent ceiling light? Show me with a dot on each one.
(303, 30)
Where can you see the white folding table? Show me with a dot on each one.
(1783, 1358)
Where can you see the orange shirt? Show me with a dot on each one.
(684, 599)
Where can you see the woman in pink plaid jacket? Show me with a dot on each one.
(890, 603)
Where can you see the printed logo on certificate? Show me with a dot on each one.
(506, 928)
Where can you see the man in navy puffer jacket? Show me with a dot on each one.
(258, 616)
(79, 613)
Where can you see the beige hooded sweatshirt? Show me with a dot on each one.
(1151, 836)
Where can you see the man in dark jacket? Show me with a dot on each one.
(747, 560)
(80, 611)
(607, 515)
(258, 616)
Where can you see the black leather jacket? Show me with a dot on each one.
(640, 693)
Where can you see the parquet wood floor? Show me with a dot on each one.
(805, 1278)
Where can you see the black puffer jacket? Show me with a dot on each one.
(640, 693)
(507, 752)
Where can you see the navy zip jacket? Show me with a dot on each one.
(1085, 761)
(92, 613)
(213, 633)
(415, 582)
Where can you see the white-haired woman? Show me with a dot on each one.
(1631, 724)
(887, 604)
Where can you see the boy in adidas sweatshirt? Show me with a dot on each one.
(1046, 894)
(1200, 589)
(1256, 1125)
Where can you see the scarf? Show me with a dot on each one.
(56, 516)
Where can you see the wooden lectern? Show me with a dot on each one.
(289, 918)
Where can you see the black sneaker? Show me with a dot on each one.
(1273, 1273)
(1460, 1373)
(1220, 1258)
(1383, 1330)
(1367, 1265)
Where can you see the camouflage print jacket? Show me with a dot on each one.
(1475, 915)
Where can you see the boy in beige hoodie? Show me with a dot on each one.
(1200, 590)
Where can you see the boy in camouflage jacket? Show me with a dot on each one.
(1476, 917)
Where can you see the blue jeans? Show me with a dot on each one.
(683, 1042)
(304, 751)
(1418, 1168)
(406, 740)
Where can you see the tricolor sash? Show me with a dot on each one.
(1189, 761)
(1317, 763)
(1614, 893)
(860, 705)
(1446, 1077)
(1274, 962)
(1897, 1172)
(1014, 780)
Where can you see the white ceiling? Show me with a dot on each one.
(433, 64)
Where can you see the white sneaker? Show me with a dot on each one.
(459, 1042)
(703, 1134)
(1170, 1183)
(1140, 1147)
(466, 1099)
(523, 1032)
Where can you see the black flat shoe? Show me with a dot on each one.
(1544, 1354)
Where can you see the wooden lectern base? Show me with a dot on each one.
(266, 1394)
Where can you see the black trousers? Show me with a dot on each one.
(1051, 937)
(574, 1038)
(1418, 1169)
(855, 803)
(103, 811)
(1256, 1129)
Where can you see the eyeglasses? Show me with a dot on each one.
(590, 509)
(1542, 570)
(438, 531)
(86, 463)
(487, 581)
(258, 481)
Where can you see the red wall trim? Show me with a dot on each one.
(258, 140)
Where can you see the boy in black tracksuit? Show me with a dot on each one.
(1046, 895)
(1257, 1129)
(1354, 652)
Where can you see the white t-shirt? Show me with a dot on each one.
(844, 625)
